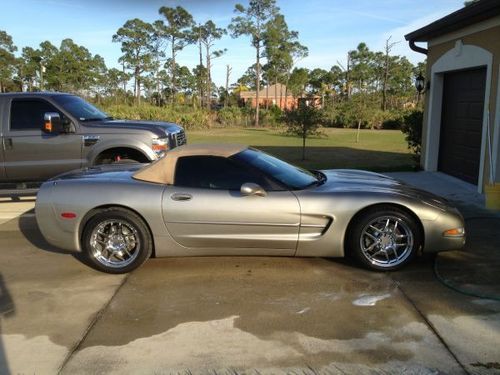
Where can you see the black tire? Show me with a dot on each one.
(387, 254)
(126, 235)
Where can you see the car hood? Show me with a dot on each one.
(160, 128)
(349, 180)
(105, 172)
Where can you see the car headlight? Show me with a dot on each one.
(160, 146)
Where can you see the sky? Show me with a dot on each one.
(329, 28)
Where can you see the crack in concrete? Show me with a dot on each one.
(92, 324)
(430, 325)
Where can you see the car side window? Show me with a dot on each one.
(28, 114)
(212, 172)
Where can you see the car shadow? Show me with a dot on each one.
(29, 229)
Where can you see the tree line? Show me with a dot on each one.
(362, 91)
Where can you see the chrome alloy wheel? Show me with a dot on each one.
(386, 241)
(115, 243)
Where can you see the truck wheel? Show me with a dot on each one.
(120, 156)
(116, 241)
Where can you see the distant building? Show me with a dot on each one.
(272, 95)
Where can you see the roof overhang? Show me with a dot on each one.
(466, 16)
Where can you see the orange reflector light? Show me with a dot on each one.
(455, 232)
(68, 215)
(159, 147)
(48, 126)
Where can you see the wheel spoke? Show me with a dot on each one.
(106, 254)
(395, 253)
(371, 236)
(387, 224)
(371, 247)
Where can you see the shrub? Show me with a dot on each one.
(230, 116)
(392, 123)
(304, 122)
(273, 116)
(186, 116)
(411, 126)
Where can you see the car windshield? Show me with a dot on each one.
(295, 178)
(79, 108)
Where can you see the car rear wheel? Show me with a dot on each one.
(116, 241)
(384, 239)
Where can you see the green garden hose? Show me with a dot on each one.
(456, 288)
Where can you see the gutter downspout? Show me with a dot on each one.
(416, 48)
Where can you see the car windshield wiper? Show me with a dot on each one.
(320, 176)
(320, 179)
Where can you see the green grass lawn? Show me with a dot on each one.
(377, 150)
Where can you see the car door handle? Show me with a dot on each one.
(181, 197)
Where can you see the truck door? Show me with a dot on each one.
(30, 154)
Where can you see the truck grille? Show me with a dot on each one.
(180, 138)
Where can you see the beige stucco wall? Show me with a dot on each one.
(489, 40)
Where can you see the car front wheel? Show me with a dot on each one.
(384, 239)
(116, 241)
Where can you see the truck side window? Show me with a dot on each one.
(28, 114)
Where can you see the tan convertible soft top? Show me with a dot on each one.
(162, 171)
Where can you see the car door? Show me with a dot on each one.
(205, 208)
(31, 154)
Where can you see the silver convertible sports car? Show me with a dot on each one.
(235, 200)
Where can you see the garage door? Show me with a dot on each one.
(461, 124)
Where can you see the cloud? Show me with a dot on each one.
(398, 34)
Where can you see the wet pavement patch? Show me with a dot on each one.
(209, 313)
(475, 270)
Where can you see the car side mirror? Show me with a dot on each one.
(52, 123)
(249, 188)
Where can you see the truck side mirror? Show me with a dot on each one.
(52, 123)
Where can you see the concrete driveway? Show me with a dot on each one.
(234, 315)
